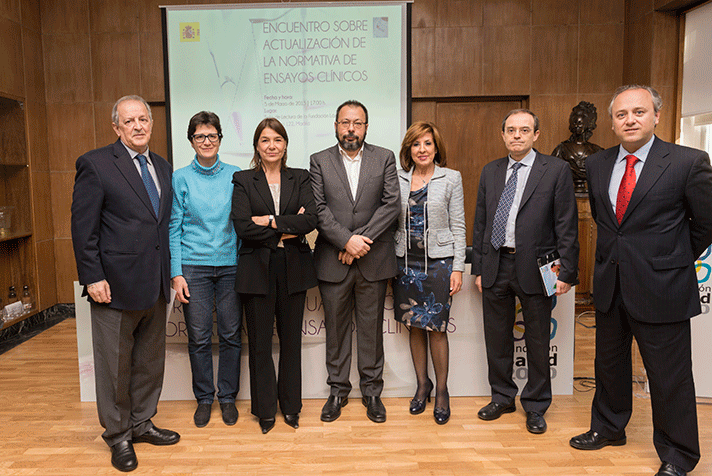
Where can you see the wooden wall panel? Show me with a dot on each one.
(65, 16)
(63, 148)
(473, 136)
(67, 60)
(553, 112)
(601, 69)
(36, 127)
(32, 65)
(602, 12)
(665, 46)
(152, 85)
(458, 61)
(459, 13)
(511, 12)
(506, 64)
(115, 65)
(149, 15)
(12, 79)
(159, 137)
(554, 60)
(110, 16)
(638, 51)
(46, 287)
(555, 12)
(43, 228)
(102, 125)
(424, 111)
(10, 9)
(62, 184)
(30, 14)
(423, 67)
(423, 13)
(66, 269)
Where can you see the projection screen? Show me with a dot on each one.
(293, 61)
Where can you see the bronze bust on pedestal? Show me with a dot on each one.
(576, 148)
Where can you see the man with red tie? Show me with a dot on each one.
(652, 203)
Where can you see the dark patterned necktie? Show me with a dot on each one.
(148, 182)
(499, 227)
(626, 188)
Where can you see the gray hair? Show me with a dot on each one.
(657, 100)
(132, 97)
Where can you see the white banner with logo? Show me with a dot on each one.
(468, 361)
(702, 328)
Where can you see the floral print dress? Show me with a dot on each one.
(421, 290)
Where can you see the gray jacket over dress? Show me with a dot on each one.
(445, 234)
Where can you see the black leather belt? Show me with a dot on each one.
(508, 250)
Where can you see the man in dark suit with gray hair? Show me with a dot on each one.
(652, 203)
(120, 211)
(358, 201)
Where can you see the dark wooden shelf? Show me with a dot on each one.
(15, 235)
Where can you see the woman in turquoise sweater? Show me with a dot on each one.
(203, 265)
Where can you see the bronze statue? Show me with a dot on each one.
(576, 148)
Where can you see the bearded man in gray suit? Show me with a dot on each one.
(358, 201)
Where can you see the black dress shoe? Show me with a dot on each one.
(229, 413)
(417, 406)
(591, 440)
(266, 424)
(292, 420)
(494, 410)
(375, 410)
(332, 407)
(123, 456)
(535, 423)
(158, 437)
(202, 414)
(669, 469)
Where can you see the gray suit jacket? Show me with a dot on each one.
(547, 221)
(445, 216)
(372, 214)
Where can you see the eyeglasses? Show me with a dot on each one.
(200, 138)
(347, 124)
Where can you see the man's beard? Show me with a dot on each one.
(350, 145)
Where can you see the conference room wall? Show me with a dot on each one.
(471, 59)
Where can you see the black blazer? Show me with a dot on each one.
(547, 221)
(251, 197)
(115, 232)
(667, 225)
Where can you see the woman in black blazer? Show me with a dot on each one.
(272, 209)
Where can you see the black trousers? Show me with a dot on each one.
(499, 312)
(260, 313)
(666, 352)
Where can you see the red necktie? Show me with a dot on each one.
(626, 188)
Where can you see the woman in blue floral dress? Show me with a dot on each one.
(430, 245)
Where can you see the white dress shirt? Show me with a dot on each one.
(619, 169)
(149, 164)
(353, 168)
(522, 176)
